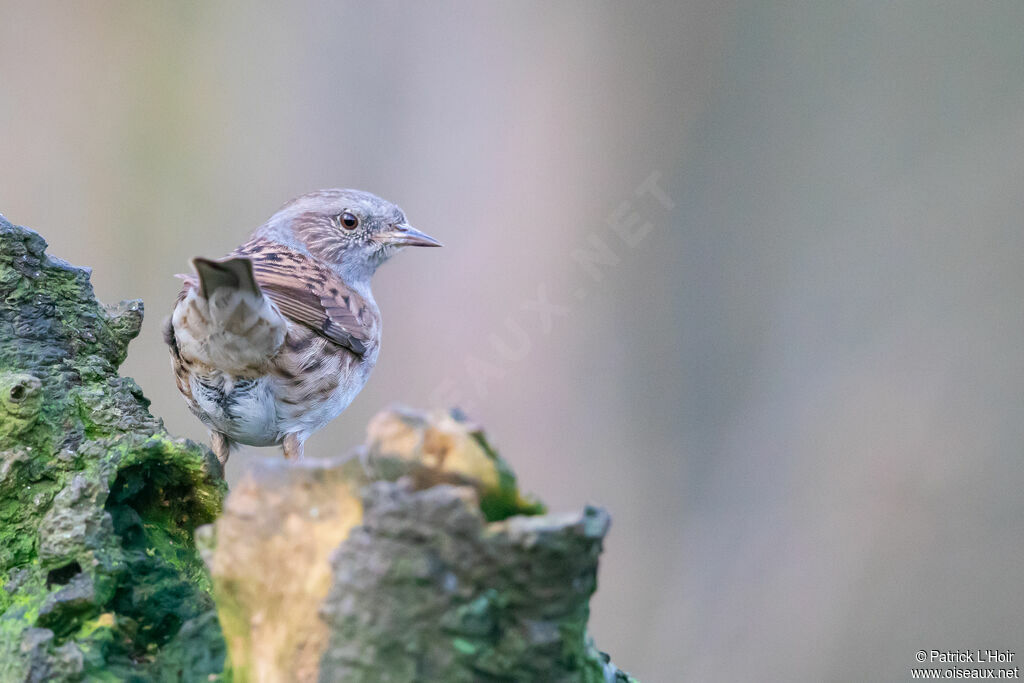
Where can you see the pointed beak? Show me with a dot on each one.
(404, 235)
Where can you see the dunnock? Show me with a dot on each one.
(274, 341)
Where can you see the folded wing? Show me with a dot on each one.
(310, 294)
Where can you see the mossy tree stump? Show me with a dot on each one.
(415, 560)
(100, 576)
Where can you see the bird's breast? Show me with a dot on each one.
(315, 379)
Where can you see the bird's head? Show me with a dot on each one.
(353, 231)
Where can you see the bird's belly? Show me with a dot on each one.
(305, 407)
(262, 411)
(243, 409)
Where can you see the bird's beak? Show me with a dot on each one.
(404, 235)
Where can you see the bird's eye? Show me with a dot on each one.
(348, 220)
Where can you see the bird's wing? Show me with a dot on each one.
(310, 294)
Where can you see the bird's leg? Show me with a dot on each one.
(292, 447)
(221, 445)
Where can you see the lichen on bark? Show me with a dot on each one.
(100, 575)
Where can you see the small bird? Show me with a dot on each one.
(272, 342)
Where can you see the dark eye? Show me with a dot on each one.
(348, 220)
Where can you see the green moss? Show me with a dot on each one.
(464, 647)
(98, 504)
(506, 500)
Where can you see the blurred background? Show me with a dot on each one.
(748, 274)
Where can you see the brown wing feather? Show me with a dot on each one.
(310, 294)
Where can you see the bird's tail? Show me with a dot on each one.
(223, 320)
(232, 274)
